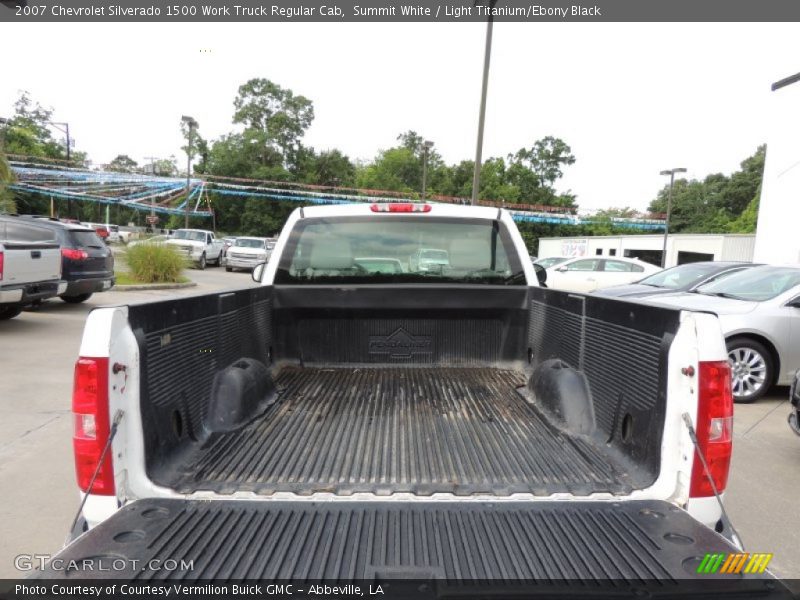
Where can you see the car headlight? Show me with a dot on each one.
(262, 256)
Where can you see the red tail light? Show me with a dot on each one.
(74, 254)
(92, 427)
(2, 260)
(714, 428)
(401, 207)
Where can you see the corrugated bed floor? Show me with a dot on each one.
(386, 430)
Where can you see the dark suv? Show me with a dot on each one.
(87, 264)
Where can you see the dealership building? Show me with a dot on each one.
(681, 248)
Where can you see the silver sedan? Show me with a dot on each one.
(759, 311)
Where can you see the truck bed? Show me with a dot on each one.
(385, 430)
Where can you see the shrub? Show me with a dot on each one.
(155, 263)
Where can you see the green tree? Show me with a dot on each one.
(7, 203)
(717, 204)
(122, 163)
(547, 158)
(280, 116)
(332, 167)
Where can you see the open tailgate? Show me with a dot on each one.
(593, 548)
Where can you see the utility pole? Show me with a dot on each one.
(426, 146)
(64, 128)
(152, 220)
(487, 54)
(671, 173)
(192, 125)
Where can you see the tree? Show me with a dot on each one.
(276, 113)
(7, 203)
(166, 167)
(122, 163)
(332, 167)
(717, 204)
(546, 158)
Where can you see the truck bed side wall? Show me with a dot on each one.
(621, 348)
(184, 343)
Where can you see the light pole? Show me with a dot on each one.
(487, 54)
(192, 125)
(426, 146)
(671, 173)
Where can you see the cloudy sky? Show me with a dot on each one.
(631, 99)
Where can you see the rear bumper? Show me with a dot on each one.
(89, 286)
(31, 292)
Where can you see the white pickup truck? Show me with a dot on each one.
(352, 420)
(30, 266)
(199, 246)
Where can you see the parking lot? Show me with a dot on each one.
(37, 474)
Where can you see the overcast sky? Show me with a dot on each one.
(630, 99)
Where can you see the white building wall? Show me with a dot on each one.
(719, 247)
(777, 238)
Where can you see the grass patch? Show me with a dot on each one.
(154, 263)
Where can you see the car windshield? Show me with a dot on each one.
(194, 236)
(394, 249)
(248, 243)
(681, 276)
(549, 262)
(757, 284)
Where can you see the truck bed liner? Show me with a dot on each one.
(387, 430)
(629, 545)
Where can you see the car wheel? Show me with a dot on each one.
(229, 269)
(201, 264)
(9, 312)
(76, 299)
(751, 369)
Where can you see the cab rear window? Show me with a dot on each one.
(399, 249)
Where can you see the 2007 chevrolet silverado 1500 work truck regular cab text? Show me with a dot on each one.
(355, 418)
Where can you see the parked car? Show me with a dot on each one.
(87, 264)
(107, 231)
(759, 311)
(429, 260)
(590, 274)
(247, 252)
(794, 399)
(198, 245)
(471, 383)
(683, 278)
(30, 265)
(550, 261)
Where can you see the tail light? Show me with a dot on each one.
(92, 427)
(2, 261)
(401, 207)
(74, 254)
(714, 428)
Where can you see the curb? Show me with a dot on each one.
(152, 286)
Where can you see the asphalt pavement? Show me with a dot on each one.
(38, 495)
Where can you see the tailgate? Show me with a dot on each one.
(30, 262)
(529, 546)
